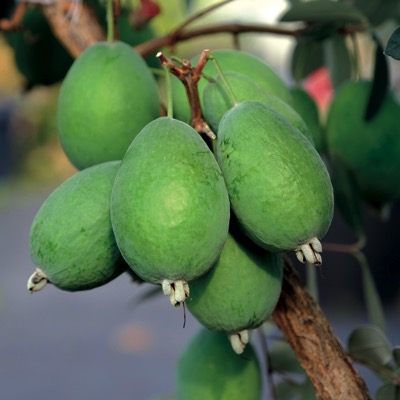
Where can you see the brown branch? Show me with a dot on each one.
(75, 33)
(318, 350)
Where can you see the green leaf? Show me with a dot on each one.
(324, 11)
(347, 197)
(338, 59)
(380, 83)
(306, 58)
(370, 346)
(283, 359)
(388, 391)
(371, 295)
(393, 45)
(396, 355)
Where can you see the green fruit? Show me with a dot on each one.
(71, 238)
(231, 60)
(278, 185)
(170, 208)
(305, 105)
(209, 369)
(369, 149)
(39, 56)
(240, 291)
(216, 100)
(107, 97)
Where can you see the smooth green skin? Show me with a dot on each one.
(71, 237)
(306, 107)
(278, 185)
(209, 369)
(169, 207)
(230, 60)
(369, 149)
(240, 291)
(216, 101)
(107, 97)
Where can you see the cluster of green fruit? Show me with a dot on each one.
(154, 198)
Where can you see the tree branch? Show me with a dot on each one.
(318, 350)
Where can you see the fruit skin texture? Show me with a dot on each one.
(71, 237)
(369, 149)
(216, 102)
(231, 60)
(107, 97)
(169, 206)
(240, 291)
(278, 185)
(209, 369)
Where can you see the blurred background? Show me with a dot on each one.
(107, 343)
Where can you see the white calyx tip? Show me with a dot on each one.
(239, 340)
(177, 291)
(37, 281)
(310, 252)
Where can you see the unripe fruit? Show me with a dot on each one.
(170, 208)
(278, 185)
(107, 97)
(209, 369)
(231, 60)
(307, 108)
(370, 150)
(71, 238)
(240, 291)
(216, 100)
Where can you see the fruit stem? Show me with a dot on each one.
(110, 21)
(190, 76)
(225, 84)
(167, 71)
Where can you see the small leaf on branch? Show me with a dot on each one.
(393, 45)
(370, 345)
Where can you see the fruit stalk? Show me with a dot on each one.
(308, 331)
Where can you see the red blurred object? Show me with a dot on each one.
(318, 84)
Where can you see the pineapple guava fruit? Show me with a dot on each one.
(107, 97)
(279, 187)
(231, 60)
(170, 207)
(216, 100)
(239, 292)
(209, 369)
(71, 238)
(370, 150)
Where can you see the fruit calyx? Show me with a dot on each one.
(239, 340)
(310, 252)
(177, 291)
(37, 281)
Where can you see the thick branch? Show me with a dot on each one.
(318, 350)
(76, 30)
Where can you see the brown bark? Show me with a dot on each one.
(76, 30)
(318, 350)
